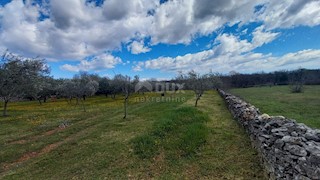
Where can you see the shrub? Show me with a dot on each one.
(297, 88)
(144, 146)
(163, 127)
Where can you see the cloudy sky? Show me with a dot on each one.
(153, 38)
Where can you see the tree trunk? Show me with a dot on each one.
(83, 105)
(5, 108)
(125, 107)
(39, 100)
(197, 99)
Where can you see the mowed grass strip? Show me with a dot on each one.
(184, 142)
(278, 100)
(228, 153)
(180, 132)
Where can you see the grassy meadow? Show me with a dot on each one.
(159, 139)
(278, 100)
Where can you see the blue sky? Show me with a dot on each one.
(158, 39)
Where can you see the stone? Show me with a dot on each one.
(278, 117)
(294, 140)
(301, 177)
(267, 126)
(294, 157)
(302, 159)
(274, 124)
(279, 134)
(266, 136)
(312, 149)
(313, 173)
(264, 117)
(296, 150)
(289, 150)
(261, 139)
(302, 128)
(281, 129)
(279, 144)
(311, 135)
(314, 160)
(294, 134)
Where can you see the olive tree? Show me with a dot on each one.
(104, 86)
(79, 87)
(68, 89)
(297, 79)
(41, 88)
(86, 84)
(198, 83)
(124, 82)
(19, 75)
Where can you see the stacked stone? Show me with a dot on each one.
(289, 150)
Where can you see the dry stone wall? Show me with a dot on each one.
(289, 150)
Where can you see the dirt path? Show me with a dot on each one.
(34, 138)
(48, 148)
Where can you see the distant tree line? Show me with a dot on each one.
(302, 76)
(29, 78)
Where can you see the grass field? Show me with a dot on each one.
(278, 100)
(162, 140)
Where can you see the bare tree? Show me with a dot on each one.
(17, 75)
(85, 85)
(198, 84)
(214, 80)
(125, 83)
(297, 80)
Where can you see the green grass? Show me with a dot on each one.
(181, 132)
(278, 100)
(162, 140)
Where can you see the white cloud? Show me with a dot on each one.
(232, 53)
(290, 13)
(87, 29)
(230, 44)
(71, 34)
(100, 62)
(137, 47)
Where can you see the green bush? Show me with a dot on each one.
(144, 146)
(163, 127)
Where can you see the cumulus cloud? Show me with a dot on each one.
(88, 29)
(287, 14)
(71, 34)
(100, 62)
(137, 47)
(233, 45)
(233, 53)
